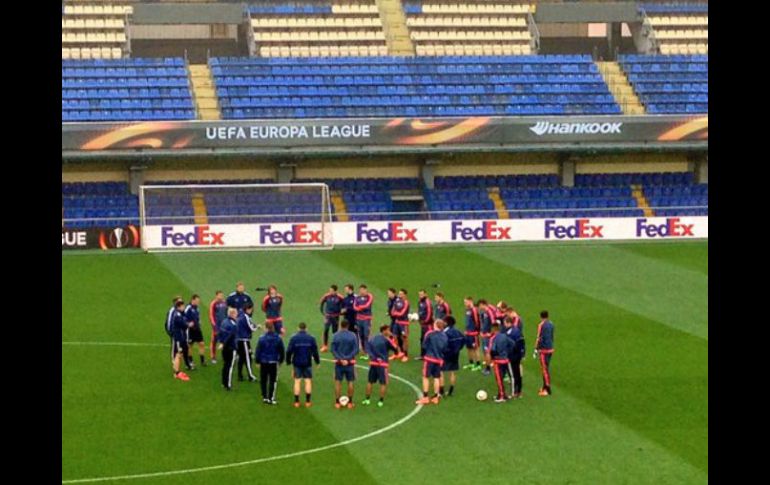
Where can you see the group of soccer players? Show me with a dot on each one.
(493, 335)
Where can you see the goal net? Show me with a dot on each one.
(235, 216)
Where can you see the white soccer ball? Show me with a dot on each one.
(414, 316)
(344, 400)
(481, 395)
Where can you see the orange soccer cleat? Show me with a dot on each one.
(405, 359)
(337, 405)
(422, 400)
(543, 393)
(435, 400)
(296, 404)
(308, 404)
(324, 348)
(182, 376)
(351, 405)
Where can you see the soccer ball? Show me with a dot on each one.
(481, 395)
(344, 400)
(414, 316)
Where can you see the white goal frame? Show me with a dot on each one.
(326, 215)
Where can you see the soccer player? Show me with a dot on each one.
(217, 313)
(195, 334)
(400, 314)
(425, 312)
(442, 308)
(378, 349)
(472, 335)
(226, 336)
(455, 343)
(271, 305)
(544, 348)
(239, 298)
(302, 351)
(487, 316)
(331, 307)
(363, 308)
(344, 349)
(515, 354)
(269, 354)
(519, 324)
(435, 345)
(497, 356)
(348, 310)
(179, 349)
(245, 329)
(393, 324)
(169, 325)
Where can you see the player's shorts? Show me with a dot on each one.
(178, 345)
(278, 327)
(332, 322)
(471, 341)
(378, 373)
(451, 363)
(344, 372)
(195, 335)
(431, 369)
(303, 372)
(401, 329)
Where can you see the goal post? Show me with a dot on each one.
(235, 216)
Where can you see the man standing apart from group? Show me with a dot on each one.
(302, 351)
(544, 348)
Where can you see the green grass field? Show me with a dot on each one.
(630, 373)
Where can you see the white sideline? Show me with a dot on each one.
(249, 462)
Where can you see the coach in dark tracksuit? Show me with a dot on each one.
(497, 357)
(245, 329)
(515, 354)
(544, 348)
(239, 298)
(269, 354)
(226, 336)
(455, 343)
(348, 307)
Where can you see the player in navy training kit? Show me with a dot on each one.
(271, 305)
(400, 314)
(455, 343)
(348, 307)
(378, 348)
(425, 315)
(331, 307)
(497, 356)
(227, 334)
(472, 335)
(515, 354)
(302, 351)
(544, 348)
(391, 301)
(487, 316)
(344, 349)
(195, 334)
(363, 308)
(168, 325)
(245, 329)
(441, 310)
(177, 326)
(217, 313)
(238, 299)
(269, 354)
(435, 345)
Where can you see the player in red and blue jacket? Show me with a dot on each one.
(331, 308)
(498, 357)
(544, 348)
(344, 349)
(435, 345)
(378, 349)
(302, 351)
(425, 314)
(363, 308)
(441, 309)
(400, 314)
(472, 327)
(271, 305)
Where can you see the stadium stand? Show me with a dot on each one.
(421, 86)
(669, 84)
(126, 90)
(317, 28)
(677, 28)
(93, 29)
(98, 204)
(469, 27)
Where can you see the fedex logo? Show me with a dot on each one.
(298, 234)
(487, 231)
(671, 228)
(582, 229)
(394, 232)
(200, 236)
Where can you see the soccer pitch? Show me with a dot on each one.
(630, 371)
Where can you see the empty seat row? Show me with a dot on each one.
(91, 53)
(454, 89)
(417, 21)
(416, 100)
(333, 69)
(473, 50)
(306, 22)
(362, 80)
(680, 34)
(684, 48)
(120, 93)
(93, 38)
(462, 60)
(468, 7)
(98, 9)
(128, 115)
(495, 35)
(324, 51)
(356, 8)
(661, 21)
(320, 36)
(123, 72)
(93, 23)
(74, 104)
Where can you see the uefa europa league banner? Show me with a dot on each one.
(100, 238)
(310, 235)
(397, 132)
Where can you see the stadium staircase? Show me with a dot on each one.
(340, 209)
(199, 209)
(620, 88)
(396, 32)
(641, 201)
(494, 196)
(204, 94)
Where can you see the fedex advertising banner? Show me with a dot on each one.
(309, 235)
